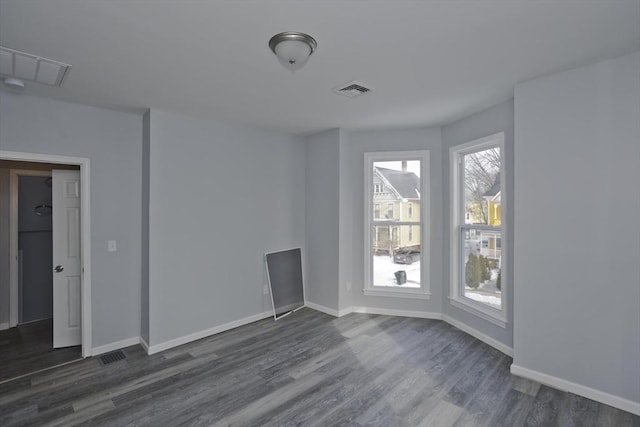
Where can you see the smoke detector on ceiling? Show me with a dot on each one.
(352, 89)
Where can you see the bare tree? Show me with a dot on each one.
(481, 169)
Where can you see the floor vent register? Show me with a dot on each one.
(112, 357)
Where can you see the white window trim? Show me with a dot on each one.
(456, 295)
(423, 292)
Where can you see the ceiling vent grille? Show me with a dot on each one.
(27, 67)
(352, 89)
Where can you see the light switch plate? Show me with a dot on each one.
(111, 246)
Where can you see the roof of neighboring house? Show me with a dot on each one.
(406, 184)
(495, 188)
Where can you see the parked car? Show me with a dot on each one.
(406, 256)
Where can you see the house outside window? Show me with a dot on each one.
(477, 226)
(396, 244)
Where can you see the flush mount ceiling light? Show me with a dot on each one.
(293, 49)
(15, 84)
(16, 65)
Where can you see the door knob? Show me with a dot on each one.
(58, 268)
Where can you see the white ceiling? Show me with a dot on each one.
(429, 62)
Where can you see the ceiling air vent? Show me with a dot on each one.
(33, 68)
(352, 89)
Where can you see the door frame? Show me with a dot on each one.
(14, 282)
(85, 242)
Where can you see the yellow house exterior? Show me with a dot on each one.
(392, 204)
(495, 210)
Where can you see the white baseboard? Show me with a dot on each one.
(588, 392)
(152, 349)
(345, 311)
(401, 313)
(95, 351)
(144, 344)
(322, 308)
(419, 314)
(479, 335)
(4, 326)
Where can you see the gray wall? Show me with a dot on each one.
(35, 240)
(220, 196)
(112, 140)
(577, 247)
(490, 121)
(345, 215)
(144, 287)
(393, 140)
(4, 247)
(323, 222)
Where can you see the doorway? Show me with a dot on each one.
(30, 344)
(35, 245)
(10, 316)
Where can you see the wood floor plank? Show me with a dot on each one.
(29, 348)
(512, 410)
(488, 397)
(307, 369)
(545, 408)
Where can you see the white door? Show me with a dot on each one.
(67, 266)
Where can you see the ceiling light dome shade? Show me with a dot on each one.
(293, 49)
(15, 84)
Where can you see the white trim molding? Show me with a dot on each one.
(423, 221)
(401, 313)
(144, 344)
(474, 309)
(4, 326)
(479, 335)
(418, 314)
(579, 389)
(85, 225)
(156, 348)
(411, 293)
(456, 210)
(327, 310)
(115, 346)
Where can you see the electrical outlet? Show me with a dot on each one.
(265, 289)
(111, 246)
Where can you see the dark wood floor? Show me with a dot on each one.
(305, 369)
(29, 348)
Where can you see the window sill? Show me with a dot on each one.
(490, 315)
(397, 293)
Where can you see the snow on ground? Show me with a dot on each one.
(487, 292)
(384, 267)
(494, 301)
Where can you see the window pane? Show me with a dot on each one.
(395, 239)
(482, 204)
(396, 255)
(481, 267)
(396, 184)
